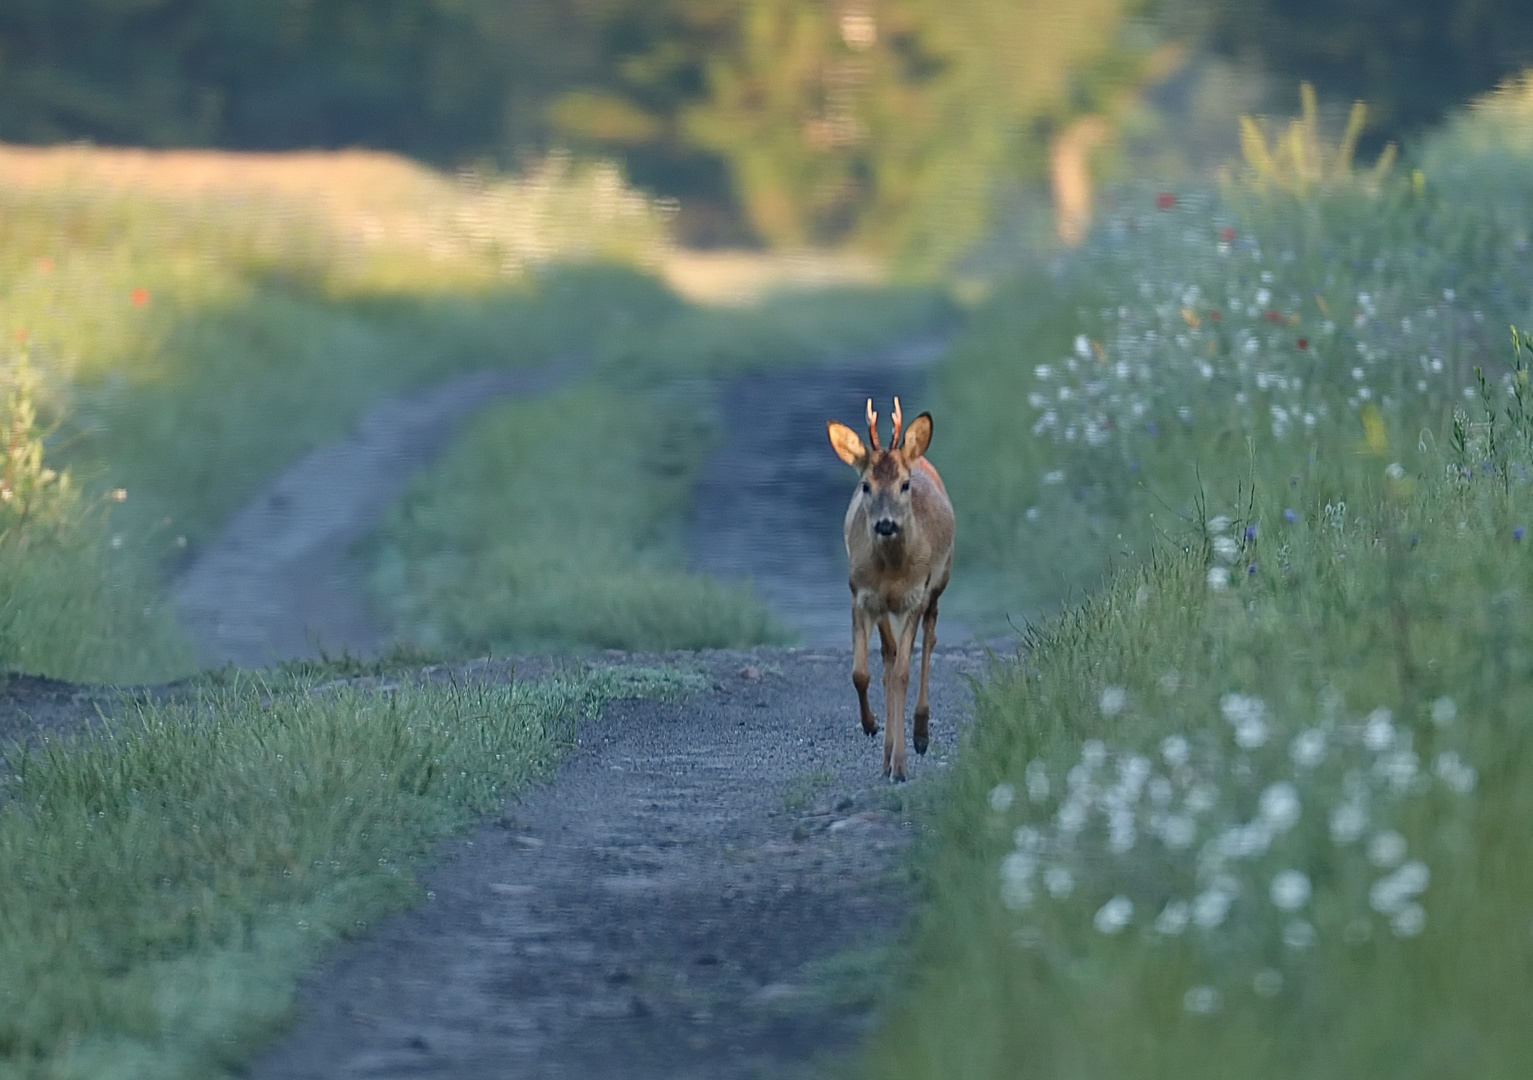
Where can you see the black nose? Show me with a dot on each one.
(886, 526)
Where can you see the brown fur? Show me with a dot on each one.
(897, 579)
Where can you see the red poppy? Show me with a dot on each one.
(1215, 315)
(45, 265)
(21, 337)
(1227, 234)
(1303, 343)
(139, 297)
(1272, 315)
(1165, 200)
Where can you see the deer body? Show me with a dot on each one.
(899, 544)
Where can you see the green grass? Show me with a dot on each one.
(162, 889)
(1400, 604)
(1256, 804)
(801, 790)
(556, 524)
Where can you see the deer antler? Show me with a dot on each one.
(894, 440)
(873, 425)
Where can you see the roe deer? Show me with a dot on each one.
(899, 541)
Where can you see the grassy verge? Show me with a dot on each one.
(1270, 828)
(1254, 808)
(161, 889)
(554, 524)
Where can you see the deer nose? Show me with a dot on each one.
(886, 526)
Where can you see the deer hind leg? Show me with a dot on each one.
(897, 683)
(920, 736)
(862, 626)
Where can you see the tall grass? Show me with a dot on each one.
(1254, 807)
(1211, 338)
(163, 886)
(71, 605)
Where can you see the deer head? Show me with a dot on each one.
(884, 489)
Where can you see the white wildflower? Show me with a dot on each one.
(1059, 881)
(1178, 831)
(1379, 730)
(1218, 578)
(1202, 1000)
(1037, 781)
(1001, 797)
(1210, 907)
(1172, 919)
(1290, 890)
(1201, 798)
(1217, 525)
(1386, 848)
(1444, 711)
(1393, 891)
(1244, 841)
(1017, 880)
(1268, 982)
(1174, 748)
(1112, 700)
(1114, 915)
(1093, 753)
(1398, 767)
(1348, 822)
(1298, 934)
(1027, 838)
(1308, 748)
(1071, 818)
(1409, 921)
(1226, 548)
(1082, 346)
(1280, 806)
(1452, 770)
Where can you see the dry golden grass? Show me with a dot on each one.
(380, 207)
(376, 205)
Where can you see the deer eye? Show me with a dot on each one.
(867, 488)
(905, 486)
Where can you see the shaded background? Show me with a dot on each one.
(892, 125)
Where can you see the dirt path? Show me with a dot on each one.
(698, 893)
(279, 582)
(769, 505)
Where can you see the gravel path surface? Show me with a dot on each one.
(279, 582)
(699, 890)
(694, 895)
(769, 504)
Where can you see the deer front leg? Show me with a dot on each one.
(920, 735)
(898, 682)
(862, 624)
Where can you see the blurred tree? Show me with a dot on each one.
(892, 124)
(1410, 60)
(886, 123)
(440, 79)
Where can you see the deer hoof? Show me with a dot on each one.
(870, 731)
(920, 742)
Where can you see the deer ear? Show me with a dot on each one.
(918, 437)
(846, 444)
